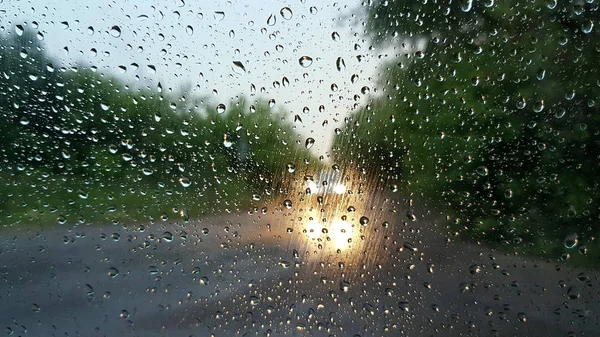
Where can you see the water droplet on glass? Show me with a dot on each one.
(167, 236)
(403, 306)
(313, 10)
(19, 30)
(287, 203)
(221, 108)
(571, 241)
(189, 30)
(482, 171)
(364, 220)
(238, 67)
(335, 36)
(185, 181)
(115, 31)
(587, 26)
(291, 168)
(113, 272)
(466, 5)
(540, 74)
(271, 20)
(305, 61)
(64, 24)
(286, 13)
(219, 16)
(309, 143)
(340, 64)
(271, 103)
(254, 301)
(354, 78)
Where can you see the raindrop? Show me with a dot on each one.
(345, 286)
(271, 20)
(113, 272)
(354, 78)
(305, 61)
(538, 106)
(185, 181)
(571, 241)
(189, 30)
(287, 203)
(364, 220)
(291, 168)
(167, 236)
(403, 306)
(587, 26)
(551, 4)
(309, 143)
(466, 5)
(271, 103)
(313, 10)
(540, 74)
(340, 64)
(115, 31)
(221, 108)
(285, 82)
(219, 16)
(232, 33)
(254, 301)
(482, 171)
(286, 13)
(19, 30)
(64, 24)
(238, 67)
(335, 36)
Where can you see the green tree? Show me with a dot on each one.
(80, 143)
(489, 110)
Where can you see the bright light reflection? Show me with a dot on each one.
(313, 187)
(313, 229)
(340, 232)
(339, 189)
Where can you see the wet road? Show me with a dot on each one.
(247, 274)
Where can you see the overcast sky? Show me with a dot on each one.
(197, 42)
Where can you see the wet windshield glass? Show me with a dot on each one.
(374, 168)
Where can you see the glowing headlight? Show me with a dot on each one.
(313, 229)
(340, 233)
(339, 189)
(313, 187)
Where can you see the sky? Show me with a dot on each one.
(201, 44)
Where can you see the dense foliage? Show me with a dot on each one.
(489, 109)
(82, 146)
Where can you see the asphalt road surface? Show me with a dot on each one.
(259, 274)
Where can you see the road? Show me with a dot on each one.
(248, 274)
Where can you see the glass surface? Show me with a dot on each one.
(305, 168)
